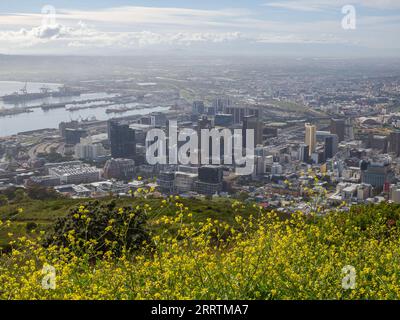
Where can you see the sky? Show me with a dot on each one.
(346, 28)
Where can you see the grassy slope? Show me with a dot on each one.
(272, 259)
(44, 213)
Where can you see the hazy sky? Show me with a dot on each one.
(288, 27)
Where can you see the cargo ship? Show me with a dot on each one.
(14, 111)
(117, 110)
(47, 107)
(125, 109)
(24, 95)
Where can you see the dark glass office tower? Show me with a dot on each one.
(338, 127)
(122, 140)
(331, 146)
(394, 143)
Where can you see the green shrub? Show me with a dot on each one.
(31, 226)
(105, 227)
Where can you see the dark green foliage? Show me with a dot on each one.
(128, 228)
(375, 221)
(20, 195)
(42, 193)
(3, 200)
(54, 157)
(34, 192)
(10, 192)
(31, 226)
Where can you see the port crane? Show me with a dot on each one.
(24, 88)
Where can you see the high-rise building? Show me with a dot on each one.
(210, 180)
(122, 140)
(158, 119)
(394, 143)
(73, 136)
(198, 108)
(211, 111)
(311, 138)
(338, 127)
(318, 156)
(331, 146)
(211, 174)
(252, 123)
(64, 125)
(378, 142)
(239, 113)
(221, 104)
(377, 174)
(349, 132)
(223, 120)
(304, 153)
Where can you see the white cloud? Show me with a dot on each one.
(83, 36)
(43, 33)
(145, 27)
(135, 16)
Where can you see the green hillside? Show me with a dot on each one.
(198, 249)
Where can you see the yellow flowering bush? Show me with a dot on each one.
(261, 256)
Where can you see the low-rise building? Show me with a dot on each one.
(75, 173)
(207, 188)
(45, 181)
(166, 182)
(89, 151)
(184, 181)
(123, 169)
